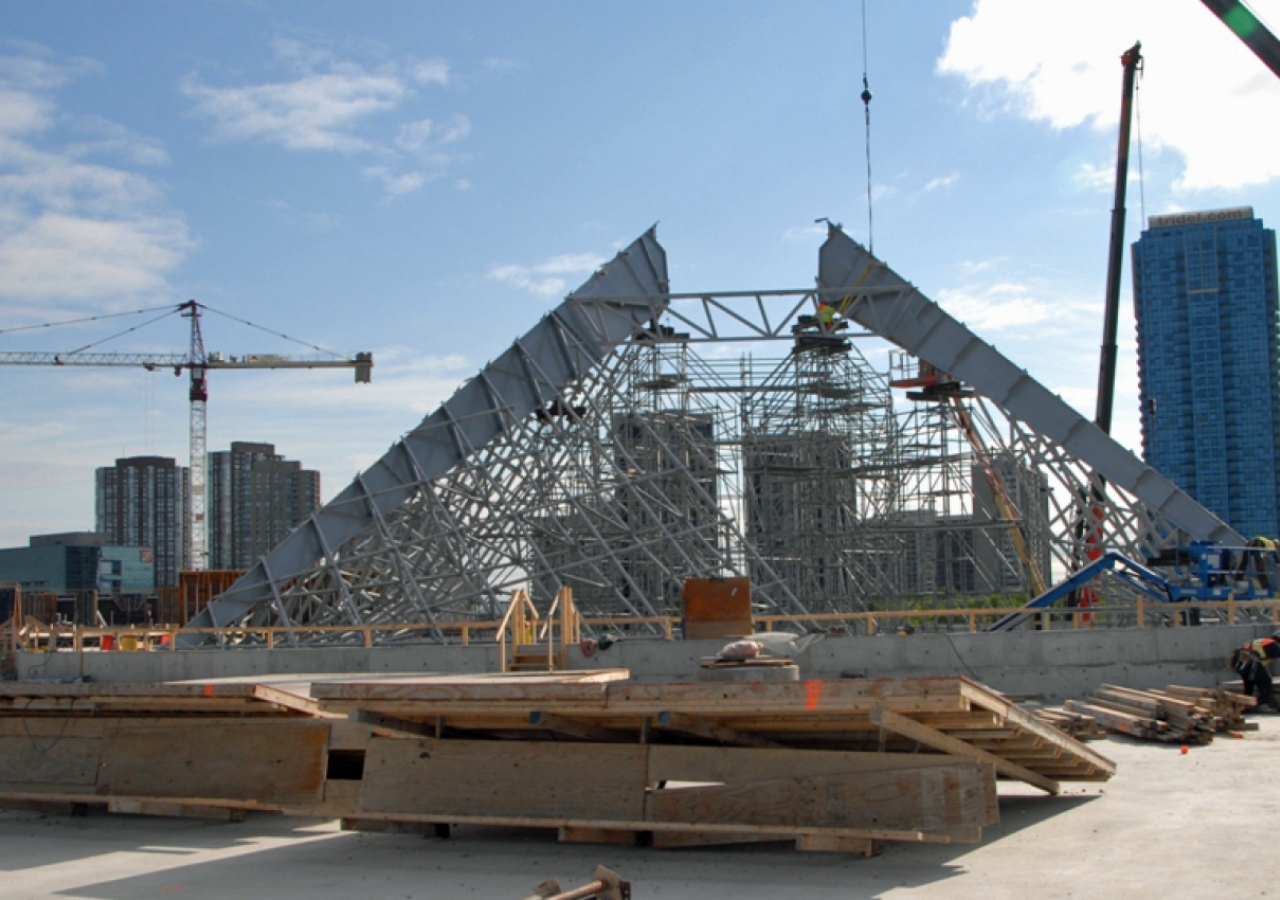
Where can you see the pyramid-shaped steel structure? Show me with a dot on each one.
(621, 447)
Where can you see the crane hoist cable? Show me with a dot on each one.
(866, 106)
(1137, 117)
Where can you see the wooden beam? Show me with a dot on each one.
(576, 728)
(695, 725)
(932, 737)
(389, 725)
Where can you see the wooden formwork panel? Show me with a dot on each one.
(613, 785)
(505, 779)
(240, 762)
(934, 799)
(265, 763)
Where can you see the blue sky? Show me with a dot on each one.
(424, 180)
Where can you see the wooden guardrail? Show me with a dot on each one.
(37, 637)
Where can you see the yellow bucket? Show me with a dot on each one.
(128, 642)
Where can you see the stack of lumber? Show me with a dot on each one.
(832, 765)
(1078, 725)
(1228, 706)
(1176, 715)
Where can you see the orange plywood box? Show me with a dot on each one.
(717, 607)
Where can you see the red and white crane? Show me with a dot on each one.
(197, 363)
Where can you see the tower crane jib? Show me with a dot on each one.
(197, 362)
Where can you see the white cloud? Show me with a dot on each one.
(59, 256)
(882, 191)
(431, 71)
(805, 234)
(108, 137)
(414, 135)
(940, 183)
(73, 228)
(395, 184)
(995, 307)
(317, 111)
(334, 105)
(544, 279)
(22, 112)
(1057, 61)
(457, 129)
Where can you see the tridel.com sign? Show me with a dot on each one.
(1198, 218)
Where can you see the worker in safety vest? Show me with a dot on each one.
(826, 315)
(1250, 661)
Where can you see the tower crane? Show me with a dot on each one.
(197, 362)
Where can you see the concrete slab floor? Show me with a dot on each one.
(1199, 825)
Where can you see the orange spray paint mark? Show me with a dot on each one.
(812, 690)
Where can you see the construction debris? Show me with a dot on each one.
(1176, 715)
(604, 885)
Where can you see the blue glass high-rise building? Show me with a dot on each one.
(1205, 296)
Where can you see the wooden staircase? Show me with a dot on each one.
(536, 644)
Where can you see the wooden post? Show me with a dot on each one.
(1231, 608)
(1141, 611)
(17, 618)
(567, 612)
(973, 622)
(466, 635)
(666, 629)
(368, 635)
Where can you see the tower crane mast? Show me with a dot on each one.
(197, 362)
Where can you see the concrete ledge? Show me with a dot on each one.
(1056, 665)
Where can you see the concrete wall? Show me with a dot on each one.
(1055, 665)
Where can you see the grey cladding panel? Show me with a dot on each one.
(922, 328)
(564, 346)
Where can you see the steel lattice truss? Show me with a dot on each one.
(716, 435)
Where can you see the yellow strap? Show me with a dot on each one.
(849, 298)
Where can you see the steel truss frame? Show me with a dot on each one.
(668, 450)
